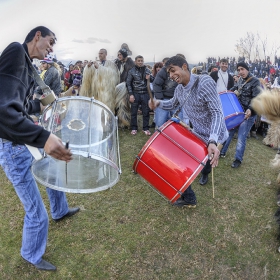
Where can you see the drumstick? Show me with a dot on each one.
(213, 182)
(66, 167)
(219, 146)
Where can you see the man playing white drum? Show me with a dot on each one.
(17, 129)
(198, 96)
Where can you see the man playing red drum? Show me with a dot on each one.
(199, 98)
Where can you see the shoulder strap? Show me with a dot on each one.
(46, 89)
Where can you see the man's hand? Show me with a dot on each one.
(131, 98)
(89, 63)
(153, 104)
(213, 154)
(55, 148)
(248, 114)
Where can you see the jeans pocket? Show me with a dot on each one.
(21, 157)
(16, 150)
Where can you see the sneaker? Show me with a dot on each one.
(180, 202)
(147, 132)
(236, 163)
(133, 132)
(222, 155)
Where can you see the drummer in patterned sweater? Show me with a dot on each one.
(199, 98)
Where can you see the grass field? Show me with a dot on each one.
(130, 232)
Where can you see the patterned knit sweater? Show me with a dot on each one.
(203, 107)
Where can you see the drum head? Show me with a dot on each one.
(91, 129)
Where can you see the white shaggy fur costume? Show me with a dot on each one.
(103, 85)
(267, 104)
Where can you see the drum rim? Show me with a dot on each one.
(71, 190)
(66, 98)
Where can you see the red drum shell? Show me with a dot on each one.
(171, 159)
(232, 109)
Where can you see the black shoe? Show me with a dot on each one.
(43, 265)
(222, 155)
(203, 179)
(236, 163)
(180, 202)
(71, 212)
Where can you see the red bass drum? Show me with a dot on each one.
(171, 159)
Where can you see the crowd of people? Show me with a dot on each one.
(169, 86)
(264, 68)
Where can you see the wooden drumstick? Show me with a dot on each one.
(219, 146)
(213, 188)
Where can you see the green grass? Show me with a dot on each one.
(131, 232)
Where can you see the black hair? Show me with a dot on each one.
(179, 54)
(103, 50)
(165, 59)
(44, 32)
(176, 61)
(138, 56)
(224, 60)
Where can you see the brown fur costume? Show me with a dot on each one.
(102, 84)
(267, 104)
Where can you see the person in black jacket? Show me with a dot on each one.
(163, 88)
(222, 78)
(124, 64)
(18, 129)
(52, 78)
(247, 88)
(138, 93)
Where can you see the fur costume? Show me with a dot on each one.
(267, 104)
(102, 84)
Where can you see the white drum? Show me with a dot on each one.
(92, 131)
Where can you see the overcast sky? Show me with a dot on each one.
(153, 28)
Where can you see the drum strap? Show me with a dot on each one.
(241, 86)
(46, 89)
(223, 79)
(181, 106)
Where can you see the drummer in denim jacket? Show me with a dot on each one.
(197, 95)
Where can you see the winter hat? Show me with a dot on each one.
(242, 64)
(46, 60)
(124, 52)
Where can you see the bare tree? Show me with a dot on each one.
(274, 51)
(252, 45)
(245, 45)
(263, 44)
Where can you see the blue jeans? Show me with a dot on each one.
(162, 116)
(243, 131)
(16, 162)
